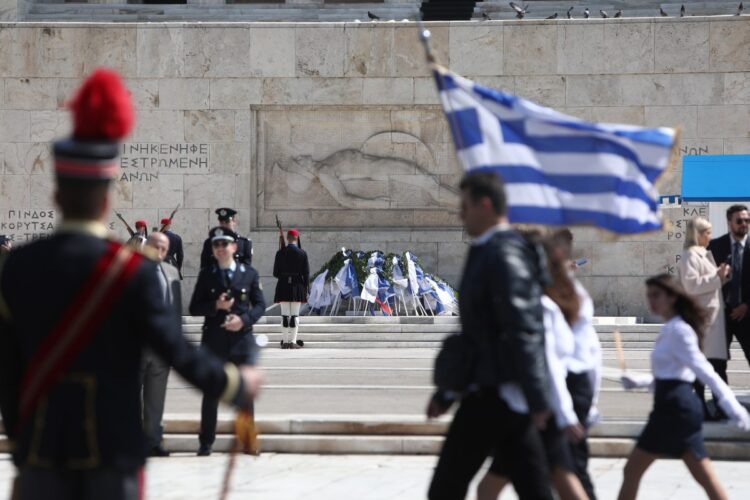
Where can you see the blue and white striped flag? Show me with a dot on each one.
(558, 170)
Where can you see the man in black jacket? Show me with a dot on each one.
(506, 401)
(228, 295)
(731, 248)
(69, 375)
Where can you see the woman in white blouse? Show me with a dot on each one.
(703, 280)
(675, 426)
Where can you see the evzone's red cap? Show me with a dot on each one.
(293, 232)
(102, 117)
(140, 223)
(165, 221)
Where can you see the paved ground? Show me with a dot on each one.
(316, 477)
(395, 381)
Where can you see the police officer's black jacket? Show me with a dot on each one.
(92, 416)
(244, 254)
(292, 270)
(249, 305)
(501, 312)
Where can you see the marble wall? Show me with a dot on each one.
(336, 128)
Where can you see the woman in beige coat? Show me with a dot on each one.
(702, 279)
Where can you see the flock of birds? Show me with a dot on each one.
(522, 11)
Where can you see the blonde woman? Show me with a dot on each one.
(702, 279)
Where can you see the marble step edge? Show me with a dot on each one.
(404, 425)
(411, 425)
(396, 333)
(404, 445)
(364, 344)
(305, 319)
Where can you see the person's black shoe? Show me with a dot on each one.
(158, 451)
(301, 343)
(204, 450)
(281, 344)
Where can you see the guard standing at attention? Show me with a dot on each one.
(229, 296)
(292, 270)
(244, 252)
(70, 390)
(139, 237)
(175, 255)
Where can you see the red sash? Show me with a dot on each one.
(76, 326)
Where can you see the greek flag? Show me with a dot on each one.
(558, 170)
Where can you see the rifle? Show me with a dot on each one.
(127, 226)
(282, 242)
(171, 216)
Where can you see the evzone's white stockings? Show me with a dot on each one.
(289, 321)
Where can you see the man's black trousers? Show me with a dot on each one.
(484, 425)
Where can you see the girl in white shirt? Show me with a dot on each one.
(675, 426)
(561, 309)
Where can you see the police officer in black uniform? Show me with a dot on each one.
(70, 389)
(229, 296)
(292, 270)
(244, 253)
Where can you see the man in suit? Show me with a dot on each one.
(229, 296)
(244, 252)
(504, 385)
(175, 256)
(70, 389)
(731, 248)
(154, 371)
(292, 270)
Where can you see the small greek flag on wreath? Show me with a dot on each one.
(558, 170)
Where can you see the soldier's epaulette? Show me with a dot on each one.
(4, 309)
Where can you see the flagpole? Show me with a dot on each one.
(424, 37)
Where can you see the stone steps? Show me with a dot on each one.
(501, 10)
(235, 12)
(397, 434)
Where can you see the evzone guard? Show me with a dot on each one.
(292, 270)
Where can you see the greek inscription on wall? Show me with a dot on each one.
(27, 225)
(143, 162)
(693, 150)
(678, 219)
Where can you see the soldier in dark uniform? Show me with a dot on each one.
(139, 237)
(69, 377)
(292, 270)
(229, 296)
(175, 255)
(244, 253)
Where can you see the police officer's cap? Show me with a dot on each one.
(226, 214)
(222, 233)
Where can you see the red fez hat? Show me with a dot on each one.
(166, 221)
(293, 232)
(102, 116)
(140, 223)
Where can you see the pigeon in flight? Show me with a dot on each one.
(553, 16)
(570, 15)
(740, 8)
(520, 12)
(663, 14)
(372, 16)
(604, 14)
